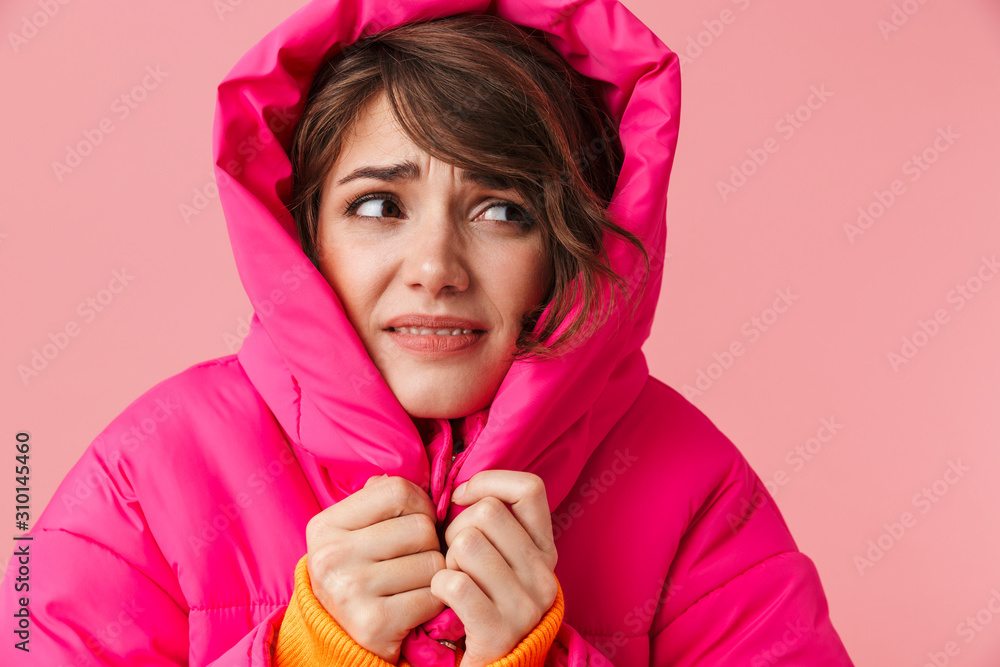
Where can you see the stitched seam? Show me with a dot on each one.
(298, 408)
(117, 555)
(723, 585)
(237, 606)
(219, 361)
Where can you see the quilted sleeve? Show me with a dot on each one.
(773, 613)
(88, 605)
(96, 588)
(742, 592)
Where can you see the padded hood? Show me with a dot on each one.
(302, 353)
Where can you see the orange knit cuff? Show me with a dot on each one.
(309, 635)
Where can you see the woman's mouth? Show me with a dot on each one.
(424, 331)
(432, 342)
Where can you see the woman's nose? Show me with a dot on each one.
(435, 257)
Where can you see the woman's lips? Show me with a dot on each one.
(433, 344)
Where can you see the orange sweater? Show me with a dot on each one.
(309, 636)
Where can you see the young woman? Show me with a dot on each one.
(439, 445)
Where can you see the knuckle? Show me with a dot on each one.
(425, 525)
(424, 529)
(436, 563)
(322, 558)
(535, 559)
(534, 486)
(374, 616)
(490, 508)
(315, 529)
(335, 552)
(468, 541)
(348, 586)
(461, 542)
(397, 489)
(548, 589)
(458, 586)
(437, 560)
(367, 623)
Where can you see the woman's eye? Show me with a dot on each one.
(375, 206)
(514, 213)
(378, 207)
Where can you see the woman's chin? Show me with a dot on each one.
(442, 404)
(445, 392)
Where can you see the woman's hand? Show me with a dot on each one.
(371, 560)
(500, 577)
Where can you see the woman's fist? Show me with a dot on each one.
(500, 576)
(371, 559)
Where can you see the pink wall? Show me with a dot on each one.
(902, 123)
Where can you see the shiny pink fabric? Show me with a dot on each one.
(178, 547)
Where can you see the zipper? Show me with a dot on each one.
(447, 456)
(446, 453)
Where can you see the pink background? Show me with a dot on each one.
(854, 297)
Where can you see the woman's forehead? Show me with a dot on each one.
(377, 147)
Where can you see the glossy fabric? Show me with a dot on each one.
(174, 538)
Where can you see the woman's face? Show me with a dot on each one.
(403, 234)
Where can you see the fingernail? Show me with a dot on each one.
(459, 492)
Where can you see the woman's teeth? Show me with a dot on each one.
(437, 332)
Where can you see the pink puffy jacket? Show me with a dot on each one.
(174, 538)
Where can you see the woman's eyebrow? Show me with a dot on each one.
(409, 170)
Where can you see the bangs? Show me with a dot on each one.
(492, 128)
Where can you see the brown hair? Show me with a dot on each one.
(487, 96)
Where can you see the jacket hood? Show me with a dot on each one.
(302, 353)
